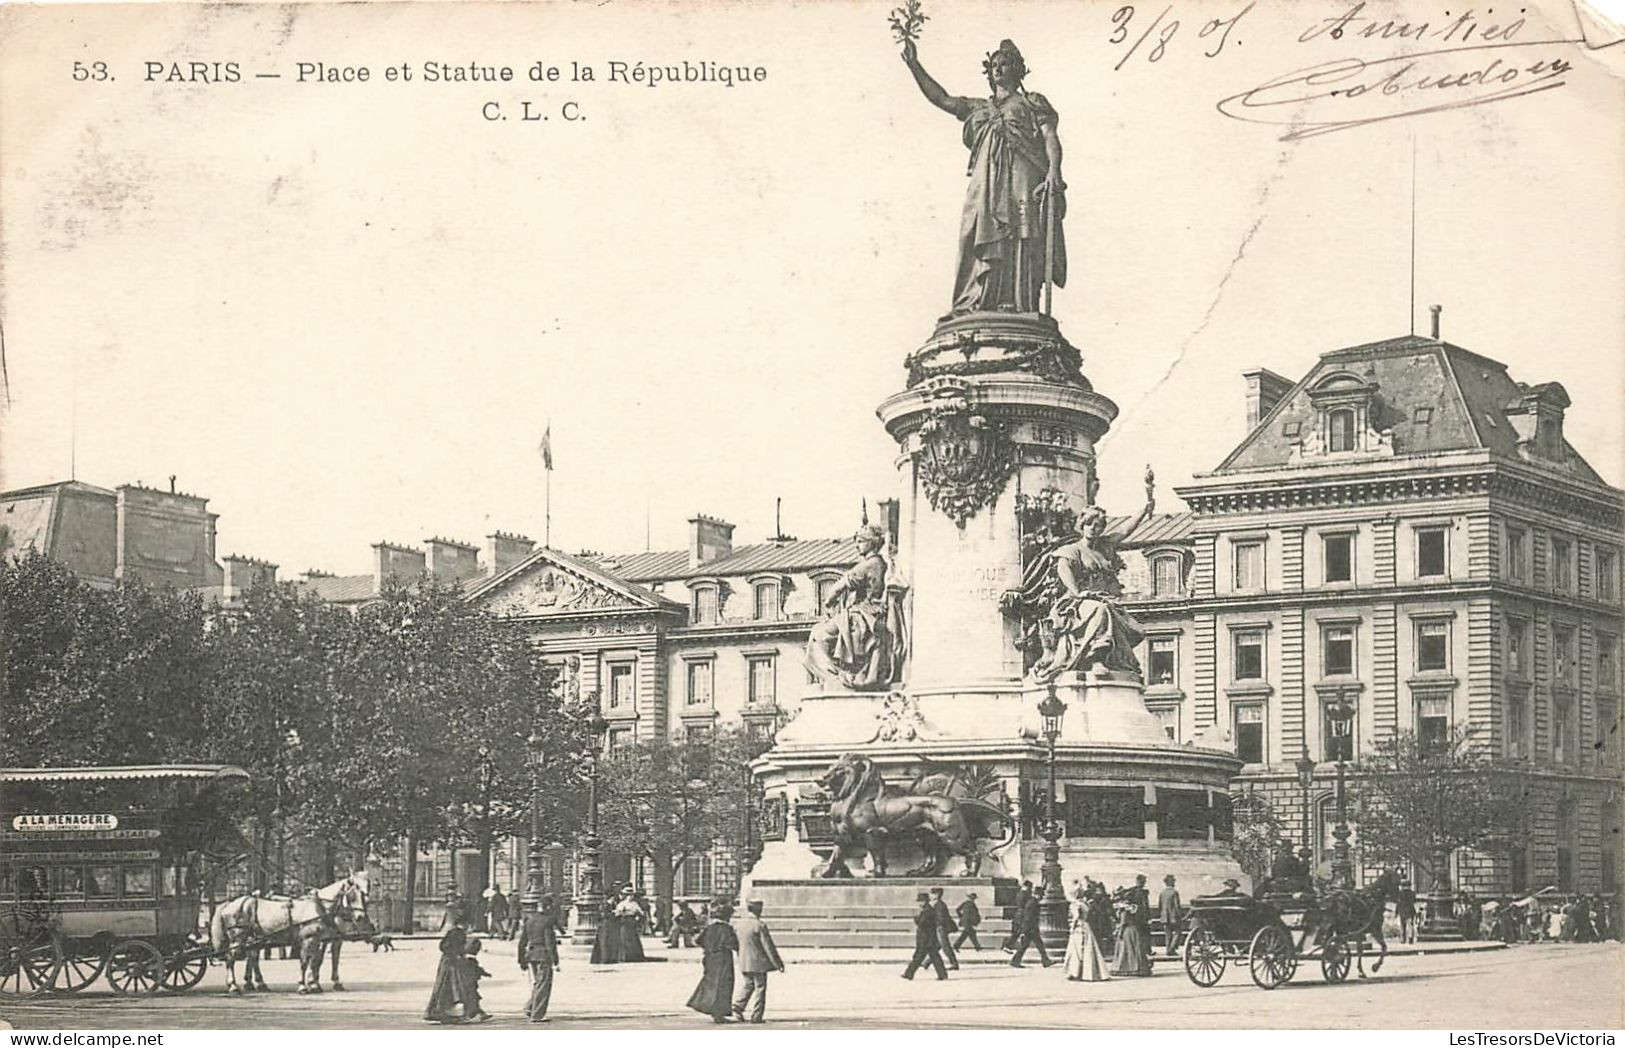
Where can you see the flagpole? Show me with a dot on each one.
(547, 501)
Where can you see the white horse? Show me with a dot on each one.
(241, 926)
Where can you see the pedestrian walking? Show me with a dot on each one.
(538, 954)
(1018, 916)
(757, 957)
(473, 1012)
(714, 995)
(945, 929)
(1031, 934)
(496, 912)
(970, 916)
(450, 977)
(1405, 910)
(927, 944)
(1084, 961)
(1168, 907)
(1133, 955)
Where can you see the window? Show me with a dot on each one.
(1607, 575)
(1166, 580)
(622, 689)
(1339, 559)
(1248, 661)
(1565, 846)
(1607, 662)
(1563, 654)
(1433, 722)
(697, 875)
(1562, 564)
(1517, 554)
(617, 738)
(67, 881)
(707, 606)
(137, 881)
(1168, 717)
(1430, 553)
(758, 730)
(1517, 647)
(8, 882)
(1249, 733)
(101, 882)
(696, 732)
(822, 588)
(1340, 427)
(1517, 746)
(1337, 731)
(1161, 668)
(425, 877)
(760, 681)
(1605, 749)
(699, 681)
(1337, 651)
(1249, 573)
(1432, 647)
(767, 601)
(1562, 731)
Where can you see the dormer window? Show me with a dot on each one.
(705, 604)
(1346, 409)
(767, 597)
(1340, 430)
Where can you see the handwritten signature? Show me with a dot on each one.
(1351, 92)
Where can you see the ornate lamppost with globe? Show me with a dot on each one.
(1052, 907)
(1306, 780)
(590, 903)
(1342, 718)
(533, 848)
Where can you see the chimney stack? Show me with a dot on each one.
(401, 563)
(451, 560)
(503, 550)
(1264, 390)
(708, 539)
(243, 574)
(1436, 311)
(1537, 416)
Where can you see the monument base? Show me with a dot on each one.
(873, 913)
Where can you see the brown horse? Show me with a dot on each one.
(1353, 915)
(241, 926)
(866, 814)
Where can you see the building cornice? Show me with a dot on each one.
(1153, 609)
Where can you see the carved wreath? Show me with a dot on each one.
(964, 461)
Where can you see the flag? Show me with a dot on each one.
(547, 448)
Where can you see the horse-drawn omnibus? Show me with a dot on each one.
(100, 874)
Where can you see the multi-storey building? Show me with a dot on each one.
(1404, 541)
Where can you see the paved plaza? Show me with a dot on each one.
(1541, 987)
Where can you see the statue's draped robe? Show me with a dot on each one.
(1085, 626)
(868, 630)
(1001, 236)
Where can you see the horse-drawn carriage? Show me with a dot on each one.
(1273, 934)
(100, 876)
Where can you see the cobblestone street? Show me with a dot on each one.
(1542, 987)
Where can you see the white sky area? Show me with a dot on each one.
(345, 313)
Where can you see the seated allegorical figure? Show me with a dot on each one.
(1084, 625)
(861, 642)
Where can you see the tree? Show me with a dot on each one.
(1422, 800)
(1256, 834)
(93, 676)
(669, 799)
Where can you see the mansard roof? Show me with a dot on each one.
(795, 555)
(1466, 397)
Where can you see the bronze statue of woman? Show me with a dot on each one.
(1085, 625)
(1008, 245)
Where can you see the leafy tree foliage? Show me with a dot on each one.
(1422, 800)
(1257, 833)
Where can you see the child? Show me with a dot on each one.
(472, 1012)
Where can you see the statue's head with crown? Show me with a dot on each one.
(1004, 66)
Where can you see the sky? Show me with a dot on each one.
(347, 312)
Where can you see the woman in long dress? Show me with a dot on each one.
(1084, 961)
(450, 978)
(714, 995)
(1133, 948)
(629, 925)
(606, 948)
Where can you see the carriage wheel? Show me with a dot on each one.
(184, 971)
(135, 967)
(1335, 958)
(1270, 956)
(1204, 957)
(29, 957)
(79, 969)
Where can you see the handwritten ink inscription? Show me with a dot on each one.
(1215, 31)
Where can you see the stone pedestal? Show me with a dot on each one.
(995, 409)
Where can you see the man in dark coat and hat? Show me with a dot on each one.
(945, 929)
(927, 942)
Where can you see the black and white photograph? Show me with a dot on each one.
(863, 515)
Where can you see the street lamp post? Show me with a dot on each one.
(1342, 868)
(1306, 779)
(590, 903)
(533, 847)
(1052, 907)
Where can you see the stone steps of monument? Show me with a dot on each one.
(826, 938)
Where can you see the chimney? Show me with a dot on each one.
(451, 560)
(243, 574)
(708, 539)
(1537, 417)
(504, 550)
(1436, 311)
(401, 563)
(1264, 390)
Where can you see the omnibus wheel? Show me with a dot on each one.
(135, 967)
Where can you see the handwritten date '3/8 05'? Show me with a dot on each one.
(1162, 30)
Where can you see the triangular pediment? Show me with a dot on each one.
(552, 583)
